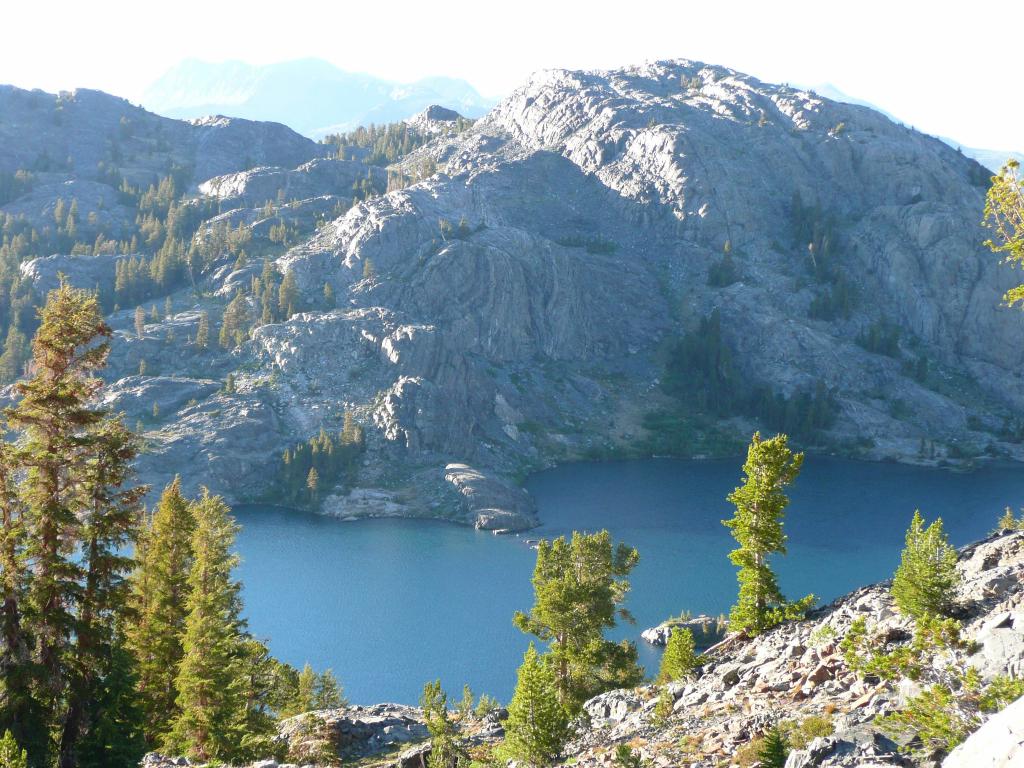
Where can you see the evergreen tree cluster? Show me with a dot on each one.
(103, 654)
(164, 227)
(377, 144)
(321, 462)
(702, 373)
(68, 513)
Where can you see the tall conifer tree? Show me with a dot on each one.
(160, 585)
(538, 725)
(757, 527)
(579, 586)
(56, 423)
(210, 696)
(110, 520)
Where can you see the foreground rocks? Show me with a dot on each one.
(999, 743)
(378, 736)
(797, 672)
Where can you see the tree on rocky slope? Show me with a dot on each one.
(679, 659)
(78, 515)
(445, 750)
(757, 526)
(236, 322)
(313, 691)
(926, 579)
(579, 587)
(1004, 215)
(774, 750)
(160, 590)
(203, 330)
(537, 725)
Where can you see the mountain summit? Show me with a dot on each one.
(311, 96)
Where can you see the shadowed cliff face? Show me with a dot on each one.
(518, 304)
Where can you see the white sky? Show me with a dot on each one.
(945, 67)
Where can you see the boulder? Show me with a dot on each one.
(999, 743)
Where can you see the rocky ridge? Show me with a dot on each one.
(797, 671)
(514, 309)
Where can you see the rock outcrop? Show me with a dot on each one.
(999, 743)
(706, 630)
(797, 671)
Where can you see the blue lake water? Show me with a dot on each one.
(390, 604)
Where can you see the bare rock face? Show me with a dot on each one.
(999, 743)
(512, 310)
(490, 504)
(323, 176)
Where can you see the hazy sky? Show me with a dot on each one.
(945, 67)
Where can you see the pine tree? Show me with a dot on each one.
(11, 755)
(109, 524)
(445, 750)
(579, 587)
(18, 710)
(1004, 215)
(305, 692)
(537, 726)
(328, 692)
(465, 707)
(774, 750)
(312, 482)
(210, 700)
(679, 659)
(203, 330)
(926, 579)
(236, 322)
(757, 526)
(140, 322)
(56, 420)
(1008, 522)
(288, 295)
(160, 592)
(115, 738)
(264, 685)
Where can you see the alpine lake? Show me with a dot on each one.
(389, 604)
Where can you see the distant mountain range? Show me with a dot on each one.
(311, 96)
(993, 159)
